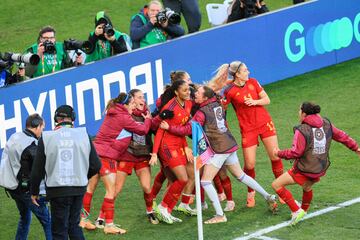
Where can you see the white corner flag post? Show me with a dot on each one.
(195, 133)
(198, 201)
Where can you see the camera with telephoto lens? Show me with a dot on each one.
(168, 15)
(109, 30)
(28, 58)
(49, 47)
(73, 44)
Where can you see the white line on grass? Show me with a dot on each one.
(263, 231)
(266, 238)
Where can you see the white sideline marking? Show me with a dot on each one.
(266, 238)
(263, 231)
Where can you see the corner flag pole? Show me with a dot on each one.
(195, 141)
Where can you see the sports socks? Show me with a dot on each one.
(218, 184)
(148, 202)
(108, 209)
(250, 173)
(226, 184)
(306, 200)
(185, 198)
(173, 194)
(158, 182)
(251, 183)
(87, 203)
(212, 195)
(288, 198)
(277, 167)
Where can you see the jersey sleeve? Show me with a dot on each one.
(258, 87)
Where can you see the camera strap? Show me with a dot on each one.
(43, 64)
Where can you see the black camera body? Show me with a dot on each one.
(109, 30)
(49, 47)
(73, 44)
(168, 15)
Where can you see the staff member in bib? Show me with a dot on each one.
(67, 157)
(310, 149)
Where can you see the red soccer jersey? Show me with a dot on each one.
(249, 117)
(181, 116)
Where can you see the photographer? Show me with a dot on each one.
(6, 77)
(246, 8)
(105, 40)
(15, 170)
(53, 56)
(152, 25)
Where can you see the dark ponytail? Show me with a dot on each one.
(310, 108)
(177, 75)
(122, 98)
(170, 93)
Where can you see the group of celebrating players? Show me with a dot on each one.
(124, 142)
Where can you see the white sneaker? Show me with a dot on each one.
(230, 206)
(164, 215)
(221, 196)
(297, 216)
(175, 219)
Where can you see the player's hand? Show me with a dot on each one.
(250, 102)
(153, 159)
(34, 199)
(147, 115)
(164, 125)
(189, 154)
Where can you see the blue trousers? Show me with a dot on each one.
(25, 207)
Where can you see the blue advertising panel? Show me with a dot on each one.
(274, 46)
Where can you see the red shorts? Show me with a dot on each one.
(252, 138)
(127, 167)
(299, 178)
(172, 157)
(108, 166)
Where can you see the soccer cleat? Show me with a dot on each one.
(100, 223)
(86, 224)
(250, 201)
(185, 208)
(230, 206)
(204, 206)
(221, 196)
(297, 216)
(271, 201)
(175, 219)
(113, 229)
(163, 215)
(216, 219)
(152, 219)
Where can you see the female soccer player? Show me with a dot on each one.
(111, 142)
(310, 149)
(173, 150)
(212, 117)
(248, 99)
(137, 157)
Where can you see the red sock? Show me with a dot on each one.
(306, 200)
(148, 201)
(251, 173)
(173, 194)
(288, 198)
(202, 194)
(185, 198)
(218, 185)
(108, 208)
(101, 214)
(226, 183)
(87, 203)
(158, 182)
(277, 167)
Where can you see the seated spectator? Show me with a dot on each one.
(53, 56)
(189, 9)
(246, 8)
(20, 73)
(106, 41)
(146, 30)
